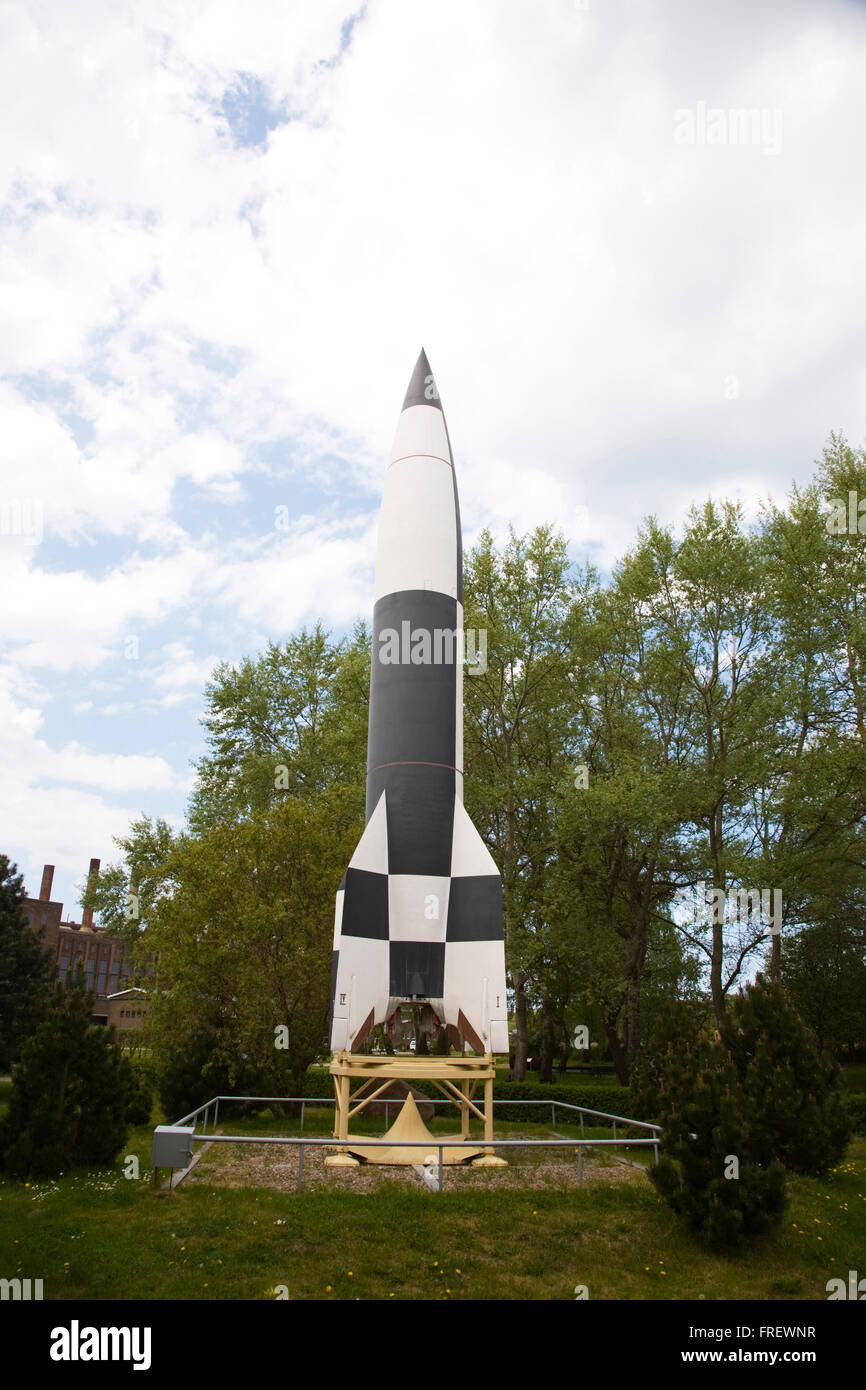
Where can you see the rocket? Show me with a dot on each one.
(419, 910)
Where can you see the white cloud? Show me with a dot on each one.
(65, 803)
(179, 675)
(197, 330)
(65, 620)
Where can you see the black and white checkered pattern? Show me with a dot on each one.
(419, 911)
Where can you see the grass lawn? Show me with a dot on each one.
(99, 1235)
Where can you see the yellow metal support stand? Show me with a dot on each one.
(457, 1078)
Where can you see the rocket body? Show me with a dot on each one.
(419, 911)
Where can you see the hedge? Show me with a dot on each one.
(612, 1100)
(854, 1103)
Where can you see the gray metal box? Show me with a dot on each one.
(172, 1146)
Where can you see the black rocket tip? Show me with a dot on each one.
(422, 388)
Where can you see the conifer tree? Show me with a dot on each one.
(675, 1027)
(26, 969)
(707, 1171)
(794, 1091)
(69, 1093)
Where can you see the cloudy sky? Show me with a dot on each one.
(629, 233)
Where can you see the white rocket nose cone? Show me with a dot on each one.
(419, 543)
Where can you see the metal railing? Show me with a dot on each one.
(489, 1145)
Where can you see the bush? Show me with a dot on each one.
(854, 1106)
(737, 1111)
(139, 1106)
(69, 1093)
(798, 1115)
(707, 1170)
(27, 970)
(676, 1025)
(613, 1100)
(190, 1077)
(196, 1073)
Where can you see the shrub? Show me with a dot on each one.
(190, 1076)
(854, 1106)
(676, 1024)
(797, 1111)
(613, 1100)
(69, 1093)
(707, 1170)
(139, 1106)
(27, 970)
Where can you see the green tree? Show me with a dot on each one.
(516, 741)
(126, 895)
(737, 1110)
(824, 972)
(794, 1092)
(810, 819)
(670, 1033)
(620, 817)
(245, 942)
(733, 709)
(707, 1170)
(70, 1093)
(291, 722)
(27, 970)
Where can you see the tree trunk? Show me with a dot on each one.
(518, 1071)
(613, 1042)
(632, 1024)
(716, 974)
(776, 955)
(548, 1041)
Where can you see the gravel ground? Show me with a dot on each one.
(276, 1166)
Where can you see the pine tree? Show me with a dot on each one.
(26, 969)
(707, 1171)
(69, 1093)
(675, 1026)
(794, 1091)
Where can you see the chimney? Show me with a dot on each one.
(93, 875)
(47, 880)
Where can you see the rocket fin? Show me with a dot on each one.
(475, 993)
(359, 987)
(469, 854)
(371, 852)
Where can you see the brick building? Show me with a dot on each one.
(101, 956)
